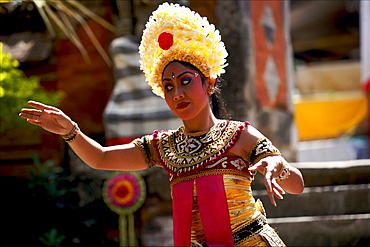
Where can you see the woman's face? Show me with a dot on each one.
(185, 93)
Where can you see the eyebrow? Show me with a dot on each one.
(168, 79)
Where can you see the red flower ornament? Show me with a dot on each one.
(124, 192)
(165, 40)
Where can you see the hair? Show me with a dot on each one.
(217, 102)
(218, 105)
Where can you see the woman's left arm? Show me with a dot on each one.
(279, 175)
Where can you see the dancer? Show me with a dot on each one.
(210, 161)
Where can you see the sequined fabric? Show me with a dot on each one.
(189, 159)
(183, 154)
(241, 210)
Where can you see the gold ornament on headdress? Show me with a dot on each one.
(174, 32)
(211, 90)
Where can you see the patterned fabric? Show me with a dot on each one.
(143, 144)
(188, 155)
(188, 158)
(262, 149)
(249, 225)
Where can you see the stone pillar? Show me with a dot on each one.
(125, 20)
(133, 110)
(260, 72)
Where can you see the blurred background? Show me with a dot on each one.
(299, 71)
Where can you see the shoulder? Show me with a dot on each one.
(248, 138)
(248, 133)
(148, 144)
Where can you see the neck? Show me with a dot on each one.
(199, 125)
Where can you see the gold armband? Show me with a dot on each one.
(262, 149)
(143, 144)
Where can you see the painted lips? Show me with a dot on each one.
(182, 105)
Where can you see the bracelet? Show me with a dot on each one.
(284, 172)
(72, 135)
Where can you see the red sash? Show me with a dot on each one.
(182, 201)
(213, 211)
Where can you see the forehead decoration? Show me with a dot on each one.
(174, 32)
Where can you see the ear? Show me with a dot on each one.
(212, 81)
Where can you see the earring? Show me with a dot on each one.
(210, 90)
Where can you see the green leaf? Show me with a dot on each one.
(16, 89)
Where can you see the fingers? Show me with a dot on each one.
(256, 166)
(34, 115)
(274, 190)
(274, 194)
(268, 166)
(30, 114)
(31, 111)
(259, 166)
(272, 198)
(41, 106)
(35, 122)
(37, 115)
(278, 188)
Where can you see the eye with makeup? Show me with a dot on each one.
(185, 81)
(168, 87)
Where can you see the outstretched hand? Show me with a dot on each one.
(270, 167)
(49, 118)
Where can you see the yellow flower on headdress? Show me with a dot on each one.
(174, 32)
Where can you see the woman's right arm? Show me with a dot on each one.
(121, 157)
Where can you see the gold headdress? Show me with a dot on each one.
(174, 32)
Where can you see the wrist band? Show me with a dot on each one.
(72, 135)
(284, 172)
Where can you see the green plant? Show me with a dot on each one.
(52, 239)
(16, 89)
(50, 178)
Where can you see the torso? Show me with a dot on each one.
(189, 156)
(221, 152)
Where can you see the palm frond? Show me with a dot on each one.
(92, 15)
(71, 32)
(39, 6)
(59, 13)
(94, 40)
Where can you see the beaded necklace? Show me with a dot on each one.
(183, 154)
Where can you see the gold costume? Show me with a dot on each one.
(190, 161)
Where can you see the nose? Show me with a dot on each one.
(178, 95)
